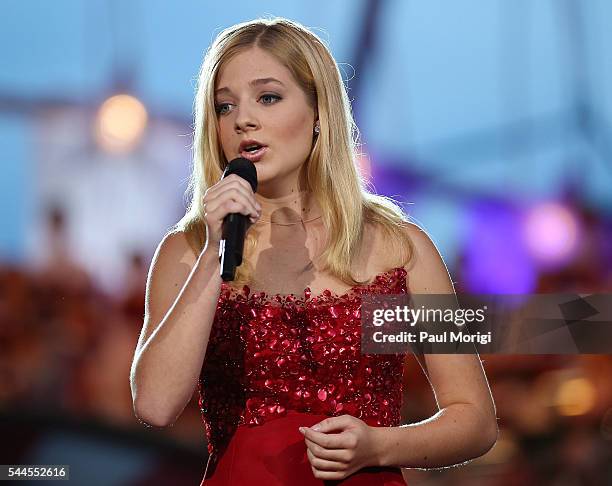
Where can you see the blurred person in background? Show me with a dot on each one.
(57, 267)
(286, 395)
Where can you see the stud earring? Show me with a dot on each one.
(317, 128)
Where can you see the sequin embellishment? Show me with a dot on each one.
(269, 354)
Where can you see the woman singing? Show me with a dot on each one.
(285, 393)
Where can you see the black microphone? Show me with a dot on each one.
(235, 224)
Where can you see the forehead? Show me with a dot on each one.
(251, 64)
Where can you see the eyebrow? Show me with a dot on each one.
(255, 82)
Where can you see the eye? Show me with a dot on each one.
(273, 97)
(221, 108)
(266, 99)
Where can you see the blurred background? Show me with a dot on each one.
(490, 121)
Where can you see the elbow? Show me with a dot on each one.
(149, 408)
(483, 431)
(494, 433)
(152, 414)
(490, 433)
(488, 427)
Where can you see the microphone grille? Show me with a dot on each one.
(243, 168)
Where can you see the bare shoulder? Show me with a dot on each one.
(427, 272)
(170, 267)
(376, 250)
(174, 248)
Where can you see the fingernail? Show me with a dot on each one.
(316, 427)
(301, 429)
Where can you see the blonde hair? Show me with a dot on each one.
(331, 170)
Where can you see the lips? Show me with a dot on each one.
(254, 156)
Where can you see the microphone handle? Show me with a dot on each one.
(231, 245)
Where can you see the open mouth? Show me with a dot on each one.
(254, 152)
(253, 148)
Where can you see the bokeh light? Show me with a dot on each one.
(120, 123)
(575, 396)
(551, 233)
(495, 259)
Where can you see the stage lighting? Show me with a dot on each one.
(120, 123)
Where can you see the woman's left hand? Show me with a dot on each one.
(340, 454)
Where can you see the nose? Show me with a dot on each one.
(245, 119)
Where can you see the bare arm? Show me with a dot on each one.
(465, 426)
(181, 299)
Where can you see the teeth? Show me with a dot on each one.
(251, 148)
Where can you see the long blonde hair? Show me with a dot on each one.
(331, 170)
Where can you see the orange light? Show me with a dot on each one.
(120, 123)
(575, 396)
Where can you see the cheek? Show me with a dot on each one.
(295, 130)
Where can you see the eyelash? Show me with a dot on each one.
(219, 107)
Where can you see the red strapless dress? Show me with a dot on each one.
(275, 363)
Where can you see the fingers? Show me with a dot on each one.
(329, 475)
(235, 180)
(324, 464)
(332, 455)
(231, 181)
(231, 201)
(234, 189)
(329, 441)
(338, 423)
(335, 455)
(231, 196)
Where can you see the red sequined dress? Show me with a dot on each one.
(275, 363)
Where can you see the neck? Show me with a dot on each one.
(291, 208)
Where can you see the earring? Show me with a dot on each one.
(317, 128)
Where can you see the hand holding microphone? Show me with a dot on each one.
(229, 206)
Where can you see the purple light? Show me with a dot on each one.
(496, 260)
(551, 233)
